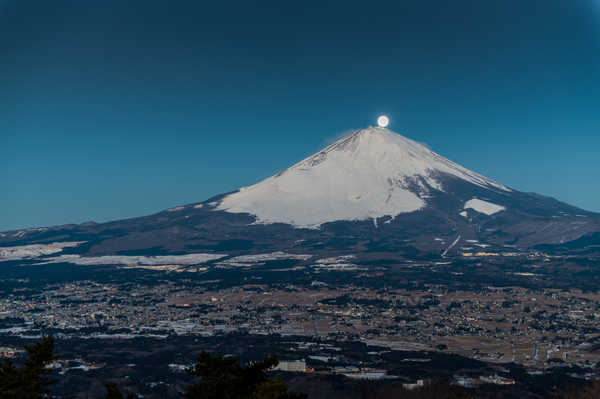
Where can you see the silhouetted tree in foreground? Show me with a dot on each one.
(435, 390)
(438, 391)
(31, 380)
(222, 378)
(591, 391)
(112, 392)
(226, 378)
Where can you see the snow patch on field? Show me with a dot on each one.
(189, 259)
(484, 207)
(34, 250)
(270, 256)
(260, 259)
(338, 263)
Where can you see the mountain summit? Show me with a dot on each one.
(373, 191)
(368, 174)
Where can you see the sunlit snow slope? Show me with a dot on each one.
(369, 174)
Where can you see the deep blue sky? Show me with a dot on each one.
(112, 109)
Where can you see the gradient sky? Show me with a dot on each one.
(113, 109)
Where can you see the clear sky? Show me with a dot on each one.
(112, 109)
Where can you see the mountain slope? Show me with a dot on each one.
(372, 191)
(369, 174)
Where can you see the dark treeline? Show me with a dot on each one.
(219, 377)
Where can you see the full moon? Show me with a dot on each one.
(383, 121)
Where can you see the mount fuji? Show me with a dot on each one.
(371, 174)
(371, 191)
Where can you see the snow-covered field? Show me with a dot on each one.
(484, 207)
(34, 250)
(338, 263)
(260, 259)
(190, 259)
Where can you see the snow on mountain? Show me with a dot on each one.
(371, 173)
(482, 206)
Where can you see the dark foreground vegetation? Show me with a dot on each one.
(222, 377)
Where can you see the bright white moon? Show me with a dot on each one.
(383, 121)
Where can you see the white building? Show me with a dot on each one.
(296, 366)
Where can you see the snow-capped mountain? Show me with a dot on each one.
(373, 191)
(369, 174)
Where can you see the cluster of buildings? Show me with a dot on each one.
(9, 352)
(498, 324)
